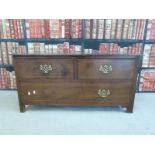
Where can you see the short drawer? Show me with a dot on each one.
(106, 68)
(44, 68)
(76, 92)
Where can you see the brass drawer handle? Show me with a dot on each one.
(103, 92)
(45, 68)
(105, 69)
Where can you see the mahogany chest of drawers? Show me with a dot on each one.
(92, 80)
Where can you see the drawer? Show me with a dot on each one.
(106, 68)
(88, 93)
(44, 68)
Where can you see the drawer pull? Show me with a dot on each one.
(45, 68)
(105, 69)
(34, 92)
(103, 92)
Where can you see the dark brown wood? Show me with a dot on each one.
(76, 80)
(88, 69)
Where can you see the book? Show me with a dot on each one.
(67, 28)
(147, 80)
(113, 29)
(149, 56)
(88, 28)
(119, 28)
(11, 29)
(1, 56)
(9, 48)
(111, 48)
(62, 48)
(126, 29)
(94, 29)
(108, 25)
(7, 79)
(100, 28)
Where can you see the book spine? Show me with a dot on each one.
(66, 47)
(59, 28)
(108, 28)
(4, 52)
(100, 28)
(67, 28)
(14, 80)
(94, 29)
(138, 28)
(19, 21)
(125, 29)
(77, 28)
(142, 29)
(9, 49)
(6, 80)
(152, 33)
(134, 29)
(113, 29)
(87, 28)
(11, 28)
(80, 29)
(47, 28)
(148, 29)
(20, 28)
(30, 48)
(7, 28)
(1, 57)
(147, 50)
(4, 28)
(2, 78)
(62, 28)
(15, 28)
(31, 28)
(42, 29)
(1, 31)
(102, 48)
(119, 28)
(9, 78)
(130, 29)
(27, 28)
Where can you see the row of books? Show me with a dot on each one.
(111, 48)
(66, 48)
(150, 29)
(114, 28)
(9, 48)
(147, 80)
(72, 28)
(7, 79)
(63, 48)
(149, 55)
(54, 28)
(11, 28)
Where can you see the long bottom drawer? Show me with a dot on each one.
(76, 93)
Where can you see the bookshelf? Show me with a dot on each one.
(85, 43)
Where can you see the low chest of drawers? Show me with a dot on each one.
(92, 80)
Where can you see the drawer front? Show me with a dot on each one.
(106, 68)
(75, 92)
(44, 68)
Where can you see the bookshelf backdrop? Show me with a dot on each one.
(90, 36)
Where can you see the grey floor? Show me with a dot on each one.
(76, 120)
